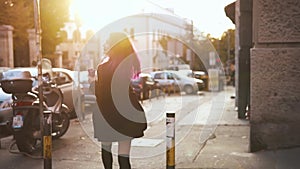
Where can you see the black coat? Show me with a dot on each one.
(120, 115)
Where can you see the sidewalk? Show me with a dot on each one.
(209, 136)
(226, 148)
(207, 130)
(205, 139)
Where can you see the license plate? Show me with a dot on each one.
(17, 121)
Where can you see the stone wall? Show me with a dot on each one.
(275, 75)
(6, 46)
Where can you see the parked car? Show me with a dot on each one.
(71, 88)
(62, 77)
(172, 80)
(3, 69)
(182, 69)
(87, 91)
(202, 75)
(5, 113)
(5, 108)
(143, 85)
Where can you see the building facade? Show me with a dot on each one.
(275, 78)
(6, 46)
(149, 32)
(268, 46)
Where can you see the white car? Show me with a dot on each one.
(63, 79)
(177, 82)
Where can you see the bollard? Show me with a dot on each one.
(157, 93)
(82, 107)
(47, 140)
(149, 94)
(141, 96)
(170, 140)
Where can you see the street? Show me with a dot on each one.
(197, 117)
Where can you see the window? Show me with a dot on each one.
(176, 76)
(62, 78)
(159, 76)
(170, 76)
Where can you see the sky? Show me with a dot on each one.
(208, 16)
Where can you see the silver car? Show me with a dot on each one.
(172, 80)
(5, 113)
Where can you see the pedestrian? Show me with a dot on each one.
(91, 80)
(120, 117)
(232, 73)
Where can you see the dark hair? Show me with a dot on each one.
(121, 47)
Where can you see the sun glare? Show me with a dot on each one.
(208, 15)
(98, 13)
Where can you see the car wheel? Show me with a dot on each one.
(188, 89)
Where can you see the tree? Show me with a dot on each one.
(53, 15)
(20, 15)
(225, 46)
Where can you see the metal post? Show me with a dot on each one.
(170, 140)
(45, 126)
(80, 105)
(37, 25)
(47, 140)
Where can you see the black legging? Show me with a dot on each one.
(107, 158)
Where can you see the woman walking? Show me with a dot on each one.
(120, 117)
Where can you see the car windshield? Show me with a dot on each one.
(18, 73)
(176, 76)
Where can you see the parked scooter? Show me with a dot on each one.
(26, 112)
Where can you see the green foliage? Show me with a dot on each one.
(53, 15)
(20, 15)
(225, 46)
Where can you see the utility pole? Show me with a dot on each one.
(46, 139)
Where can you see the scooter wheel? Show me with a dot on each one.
(25, 141)
(61, 123)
